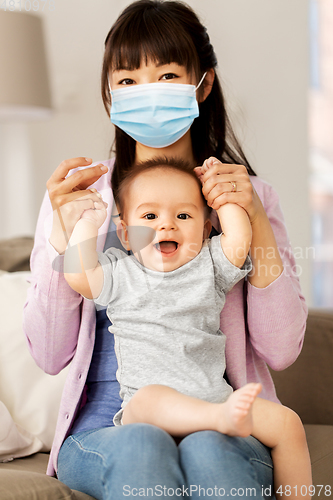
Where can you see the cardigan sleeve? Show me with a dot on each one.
(54, 315)
(51, 316)
(276, 315)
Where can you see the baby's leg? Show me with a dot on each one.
(181, 415)
(281, 429)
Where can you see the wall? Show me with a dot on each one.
(263, 55)
(262, 49)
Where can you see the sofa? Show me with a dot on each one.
(306, 387)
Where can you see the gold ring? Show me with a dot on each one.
(234, 186)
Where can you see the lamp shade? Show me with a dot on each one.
(24, 84)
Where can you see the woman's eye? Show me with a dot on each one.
(183, 216)
(169, 76)
(126, 81)
(150, 216)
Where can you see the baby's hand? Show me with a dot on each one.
(207, 164)
(98, 214)
(202, 174)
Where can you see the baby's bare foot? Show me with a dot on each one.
(236, 412)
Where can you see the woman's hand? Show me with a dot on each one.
(70, 197)
(228, 183)
(223, 183)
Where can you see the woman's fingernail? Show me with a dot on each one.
(104, 168)
(88, 160)
(99, 195)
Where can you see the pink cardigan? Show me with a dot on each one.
(60, 325)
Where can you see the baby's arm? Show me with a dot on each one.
(237, 234)
(236, 227)
(82, 270)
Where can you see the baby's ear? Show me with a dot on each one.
(122, 234)
(207, 229)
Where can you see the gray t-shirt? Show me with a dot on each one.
(166, 325)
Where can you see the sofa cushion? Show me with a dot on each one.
(320, 442)
(31, 485)
(25, 479)
(306, 384)
(34, 486)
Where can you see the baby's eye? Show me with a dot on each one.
(183, 216)
(150, 216)
(169, 76)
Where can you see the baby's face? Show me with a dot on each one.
(169, 202)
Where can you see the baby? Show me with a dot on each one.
(164, 302)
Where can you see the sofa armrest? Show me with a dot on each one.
(307, 385)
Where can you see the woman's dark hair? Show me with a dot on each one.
(166, 32)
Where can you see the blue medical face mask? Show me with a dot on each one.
(155, 114)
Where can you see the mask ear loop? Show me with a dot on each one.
(202, 79)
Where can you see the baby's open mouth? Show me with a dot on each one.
(166, 246)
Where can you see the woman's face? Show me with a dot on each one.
(150, 73)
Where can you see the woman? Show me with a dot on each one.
(155, 42)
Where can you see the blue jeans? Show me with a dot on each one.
(141, 460)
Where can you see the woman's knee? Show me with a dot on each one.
(209, 444)
(145, 447)
(114, 445)
(133, 454)
(147, 439)
(148, 457)
(225, 460)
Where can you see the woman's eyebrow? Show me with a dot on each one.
(159, 64)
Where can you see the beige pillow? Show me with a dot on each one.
(31, 396)
(14, 440)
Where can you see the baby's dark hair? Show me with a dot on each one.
(119, 193)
